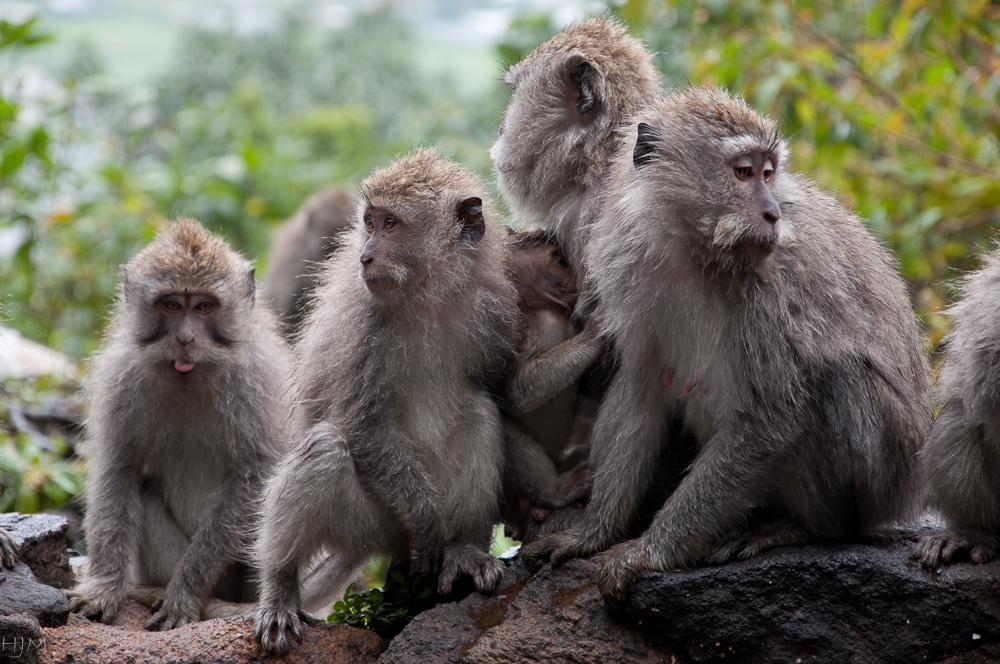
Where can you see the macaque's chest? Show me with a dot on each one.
(184, 470)
(430, 408)
(698, 368)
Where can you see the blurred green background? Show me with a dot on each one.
(117, 115)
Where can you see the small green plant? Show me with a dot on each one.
(386, 610)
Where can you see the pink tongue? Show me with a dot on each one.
(184, 365)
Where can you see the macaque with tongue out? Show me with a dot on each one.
(187, 400)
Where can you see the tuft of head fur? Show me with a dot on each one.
(186, 257)
(425, 190)
(424, 187)
(621, 65)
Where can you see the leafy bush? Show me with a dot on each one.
(38, 470)
(386, 610)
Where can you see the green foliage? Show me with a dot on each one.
(34, 478)
(385, 610)
(235, 164)
(526, 31)
(893, 105)
(237, 133)
(37, 472)
(21, 34)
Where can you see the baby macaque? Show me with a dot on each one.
(547, 421)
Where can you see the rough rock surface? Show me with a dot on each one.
(837, 603)
(40, 540)
(20, 593)
(553, 616)
(220, 641)
(840, 603)
(20, 639)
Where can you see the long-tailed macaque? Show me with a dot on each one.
(571, 97)
(961, 458)
(187, 404)
(759, 310)
(547, 420)
(399, 438)
(299, 247)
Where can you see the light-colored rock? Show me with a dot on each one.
(23, 358)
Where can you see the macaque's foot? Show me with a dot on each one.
(174, 610)
(466, 560)
(95, 604)
(757, 540)
(936, 550)
(558, 547)
(427, 554)
(272, 625)
(619, 566)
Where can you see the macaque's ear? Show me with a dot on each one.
(645, 145)
(252, 285)
(581, 73)
(470, 216)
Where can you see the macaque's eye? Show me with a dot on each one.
(172, 306)
(768, 170)
(369, 223)
(204, 306)
(390, 222)
(743, 168)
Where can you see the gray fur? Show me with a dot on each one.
(546, 426)
(400, 448)
(177, 462)
(300, 245)
(792, 354)
(961, 458)
(550, 157)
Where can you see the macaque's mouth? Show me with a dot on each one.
(184, 366)
(762, 245)
(380, 284)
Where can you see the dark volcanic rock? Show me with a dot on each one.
(838, 603)
(20, 639)
(20, 593)
(554, 616)
(41, 544)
